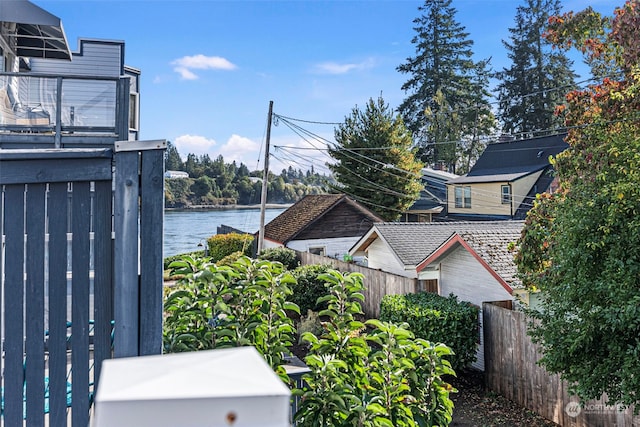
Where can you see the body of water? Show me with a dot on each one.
(184, 229)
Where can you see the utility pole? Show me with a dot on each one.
(265, 177)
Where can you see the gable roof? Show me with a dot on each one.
(488, 247)
(412, 243)
(508, 161)
(290, 223)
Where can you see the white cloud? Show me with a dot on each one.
(337, 68)
(242, 150)
(185, 65)
(194, 144)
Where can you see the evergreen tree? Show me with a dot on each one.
(375, 163)
(444, 79)
(538, 78)
(172, 160)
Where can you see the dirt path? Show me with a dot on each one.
(477, 407)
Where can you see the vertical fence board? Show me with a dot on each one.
(34, 304)
(58, 211)
(2, 228)
(151, 227)
(126, 291)
(103, 277)
(80, 251)
(377, 283)
(14, 292)
(511, 354)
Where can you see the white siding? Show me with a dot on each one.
(379, 256)
(334, 248)
(463, 275)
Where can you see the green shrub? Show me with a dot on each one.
(309, 287)
(168, 260)
(221, 245)
(437, 319)
(286, 256)
(230, 306)
(373, 373)
(230, 259)
(310, 323)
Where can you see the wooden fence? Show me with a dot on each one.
(81, 257)
(377, 283)
(511, 369)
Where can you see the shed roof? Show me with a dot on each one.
(412, 243)
(489, 246)
(286, 226)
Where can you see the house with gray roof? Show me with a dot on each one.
(505, 180)
(468, 259)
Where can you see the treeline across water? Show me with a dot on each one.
(216, 183)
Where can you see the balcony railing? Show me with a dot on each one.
(43, 110)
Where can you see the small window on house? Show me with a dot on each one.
(463, 197)
(467, 197)
(133, 111)
(506, 194)
(318, 250)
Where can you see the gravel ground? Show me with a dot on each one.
(477, 407)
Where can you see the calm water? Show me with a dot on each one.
(183, 230)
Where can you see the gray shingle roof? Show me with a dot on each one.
(491, 246)
(413, 242)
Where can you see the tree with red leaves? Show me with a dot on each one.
(581, 246)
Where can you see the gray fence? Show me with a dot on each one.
(511, 368)
(377, 283)
(81, 273)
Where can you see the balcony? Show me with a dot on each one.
(57, 111)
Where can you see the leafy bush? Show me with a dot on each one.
(168, 260)
(230, 259)
(373, 373)
(310, 323)
(309, 287)
(286, 256)
(437, 319)
(230, 306)
(221, 245)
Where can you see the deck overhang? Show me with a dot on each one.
(32, 31)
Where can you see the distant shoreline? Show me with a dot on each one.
(229, 207)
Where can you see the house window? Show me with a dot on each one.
(463, 197)
(133, 111)
(506, 194)
(318, 250)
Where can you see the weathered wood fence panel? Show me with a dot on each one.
(63, 291)
(377, 283)
(511, 369)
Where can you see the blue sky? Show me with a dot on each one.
(210, 67)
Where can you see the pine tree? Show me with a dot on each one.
(375, 163)
(445, 82)
(538, 78)
(172, 161)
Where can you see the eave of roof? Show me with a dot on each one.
(39, 34)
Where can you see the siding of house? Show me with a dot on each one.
(94, 58)
(380, 257)
(462, 275)
(521, 187)
(334, 247)
(344, 220)
(486, 198)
